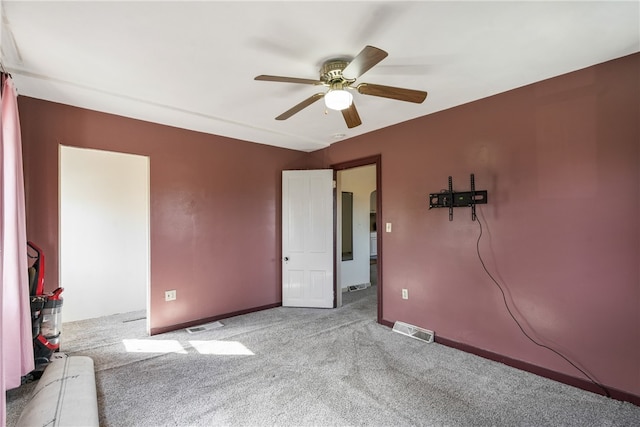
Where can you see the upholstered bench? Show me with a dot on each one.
(64, 396)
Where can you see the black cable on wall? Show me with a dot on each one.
(504, 298)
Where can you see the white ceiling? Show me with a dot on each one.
(192, 64)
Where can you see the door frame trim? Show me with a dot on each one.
(365, 161)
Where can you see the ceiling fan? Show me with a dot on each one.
(339, 75)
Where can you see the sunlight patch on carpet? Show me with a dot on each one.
(223, 348)
(153, 346)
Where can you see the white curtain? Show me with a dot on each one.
(16, 345)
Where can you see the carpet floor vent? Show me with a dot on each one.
(134, 320)
(205, 327)
(414, 332)
(359, 287)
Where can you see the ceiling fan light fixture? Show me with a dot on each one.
(338, 99)
(341, 74)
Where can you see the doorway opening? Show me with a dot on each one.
(104, 233)
(360, 180)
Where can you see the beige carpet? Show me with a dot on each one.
(313, 367)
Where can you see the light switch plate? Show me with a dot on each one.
(388, 227)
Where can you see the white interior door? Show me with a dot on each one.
(307, 238)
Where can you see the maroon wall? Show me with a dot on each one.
(215, 207)
(560, 160)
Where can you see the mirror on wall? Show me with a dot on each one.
(347, 226)
(373, 204)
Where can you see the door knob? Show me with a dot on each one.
(286, 258)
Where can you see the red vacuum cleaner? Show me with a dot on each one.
(46, 312)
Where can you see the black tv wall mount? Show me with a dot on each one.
(458, 199)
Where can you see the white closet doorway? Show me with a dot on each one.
(104, 233)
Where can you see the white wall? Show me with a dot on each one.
(361, 182)
(104, 232)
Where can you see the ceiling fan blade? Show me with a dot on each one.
(363, 62)
(288, 80)
(398, 93)
(304, 104)
(351, 116)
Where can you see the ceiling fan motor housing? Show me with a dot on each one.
(331, 71)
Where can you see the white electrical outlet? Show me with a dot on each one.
(388, 227)
(170, 295)
(405, 294)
